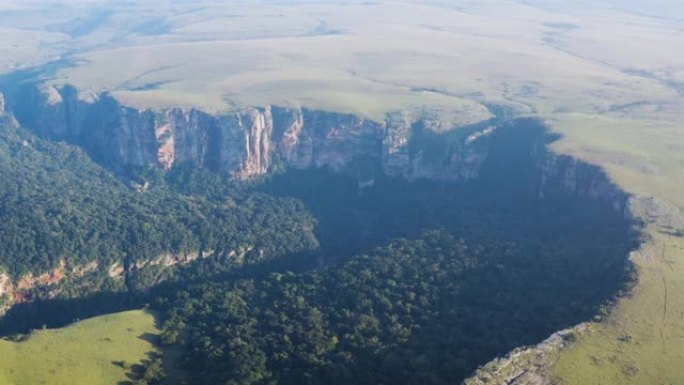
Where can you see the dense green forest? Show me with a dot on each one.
(57, 204)
(420, 311)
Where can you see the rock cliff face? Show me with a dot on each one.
(252, 141)
(112, 134)
(48, 284)
(22, 290)
(566, 174)
(6, 293)
(248, 142)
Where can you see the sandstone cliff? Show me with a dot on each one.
(248, 142)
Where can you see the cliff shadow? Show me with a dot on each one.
(56, 313)
(522, 191)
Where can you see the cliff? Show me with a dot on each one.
(22, 290)
(251, 141)
(51, 284)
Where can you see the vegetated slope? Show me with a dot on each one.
(57, 205)
(427, 311)
(83, 353)
(50, 191)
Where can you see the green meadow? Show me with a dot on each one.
(89, 352)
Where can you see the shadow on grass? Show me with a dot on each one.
(147, 371)
(55, 313)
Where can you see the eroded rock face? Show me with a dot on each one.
(527, 365)
(166, 154)
(22, 289)
(294, 146)
(257, 126)
(248, 142)
(112, 134)
(6, 293)
(563, 173)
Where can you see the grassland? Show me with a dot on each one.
(83, 353)
(642, 341)
(607, 75)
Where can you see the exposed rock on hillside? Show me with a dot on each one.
(668, 217)
(526, 366)
(565, 174)
(21, 290)
(6, 292)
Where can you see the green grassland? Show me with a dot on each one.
(642, 341)
(83, 353)
(607, 75)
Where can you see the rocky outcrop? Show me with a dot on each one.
(82, 270)
(22, 290)
(528, 365)
(6, 292)
(166, 153)
(116, 270)
(166, 260)
(30, 285)
(49, 278)
(661, 213)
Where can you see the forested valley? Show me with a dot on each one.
(398, 283)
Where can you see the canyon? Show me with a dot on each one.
(365, 182)
(148, 148)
